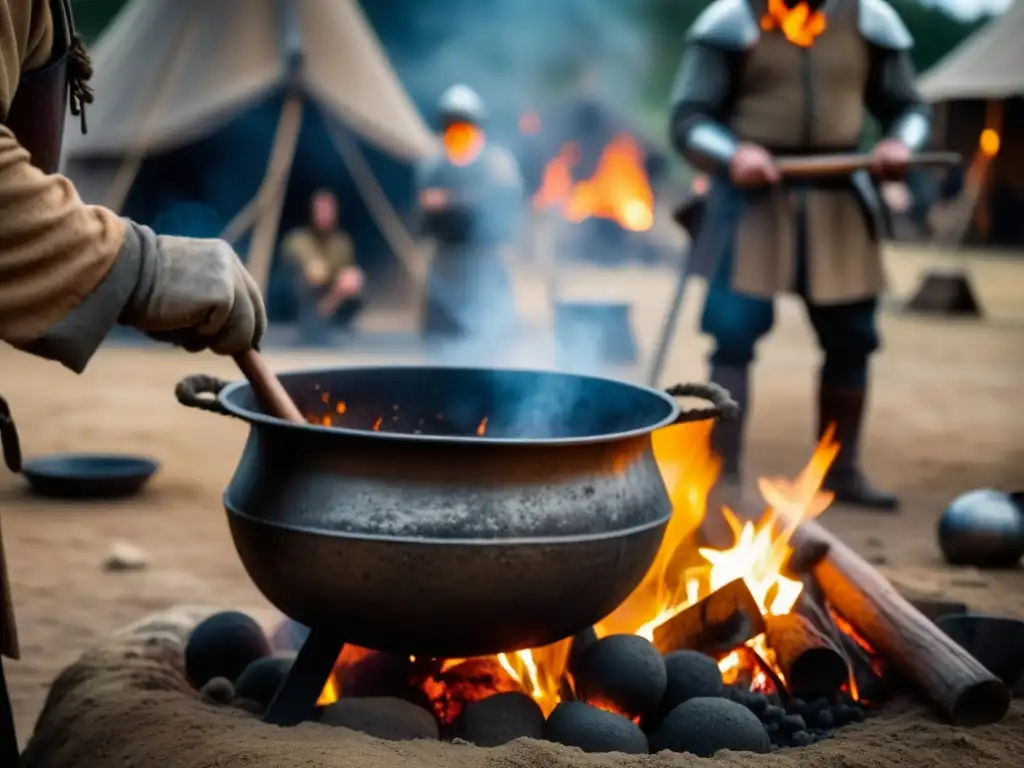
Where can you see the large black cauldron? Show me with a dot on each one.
(425, 537)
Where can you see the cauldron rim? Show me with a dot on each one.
(520, 541)
(224, 397)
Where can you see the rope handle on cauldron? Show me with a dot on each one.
(723, 407)
(200, 391)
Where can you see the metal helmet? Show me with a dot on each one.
(460, 103)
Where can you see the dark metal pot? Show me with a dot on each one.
(425, 537)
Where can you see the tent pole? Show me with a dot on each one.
(993, 122)
(978, 177)
(380, 208)
(119, 188)
(242, 221)
(270, 199)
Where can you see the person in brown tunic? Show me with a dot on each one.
(767, 78)
(69, 271)
(327, 279)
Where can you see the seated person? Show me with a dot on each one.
(328, 282)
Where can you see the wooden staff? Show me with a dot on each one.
(959, 686)
(819, 166)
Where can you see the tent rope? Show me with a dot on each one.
(383, 213)
(270, 198)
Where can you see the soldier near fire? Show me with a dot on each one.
(471, 202)
(768, 78)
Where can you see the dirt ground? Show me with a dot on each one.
(947, 417)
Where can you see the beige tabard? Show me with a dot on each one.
(843, 252)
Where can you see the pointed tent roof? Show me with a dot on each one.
(168, 72)
(987, 65)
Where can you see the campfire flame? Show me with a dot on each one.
(680, 575)
(619, 189)
(800, 25)
(463, 143)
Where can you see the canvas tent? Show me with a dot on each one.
(173, 75)
(978, 90)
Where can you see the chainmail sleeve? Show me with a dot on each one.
(701, 98)
(893, 99)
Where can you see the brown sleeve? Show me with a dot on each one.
(299, 249)
(346, 250)
(26, 39)
(54, 249)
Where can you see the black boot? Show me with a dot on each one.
(727, 437)
(845, 409)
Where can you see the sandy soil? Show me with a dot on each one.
(946, 418)
(126, 703)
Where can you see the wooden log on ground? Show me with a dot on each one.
(722, 621)
(956, 683)
(810, 662)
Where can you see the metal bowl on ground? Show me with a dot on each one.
(451, 512)
(995, 641)
(88, 476)
(983, 528)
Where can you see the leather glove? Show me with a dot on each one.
(194, 293)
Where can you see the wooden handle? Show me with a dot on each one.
(269, 391)
(816, 166)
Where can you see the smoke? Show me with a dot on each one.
(518, 55)
(514, 53)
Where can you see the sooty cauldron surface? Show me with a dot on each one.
(402, 527)
(562, 455)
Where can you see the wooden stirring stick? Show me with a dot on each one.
(269, 391)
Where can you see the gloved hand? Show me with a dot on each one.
(193, 293)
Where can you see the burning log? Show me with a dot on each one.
(806, 554)
(723, 620)
(956, 682)
(812, 605)
(811, 663)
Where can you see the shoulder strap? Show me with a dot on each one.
(79, 62)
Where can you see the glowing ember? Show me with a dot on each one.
(618, 191)
(481, 428)
(799, 24)
(463, 143)
(377, 423)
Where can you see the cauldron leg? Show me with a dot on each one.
(295, 700)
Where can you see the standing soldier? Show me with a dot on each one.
(766, 78)
(69, 272)
(471, 206)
